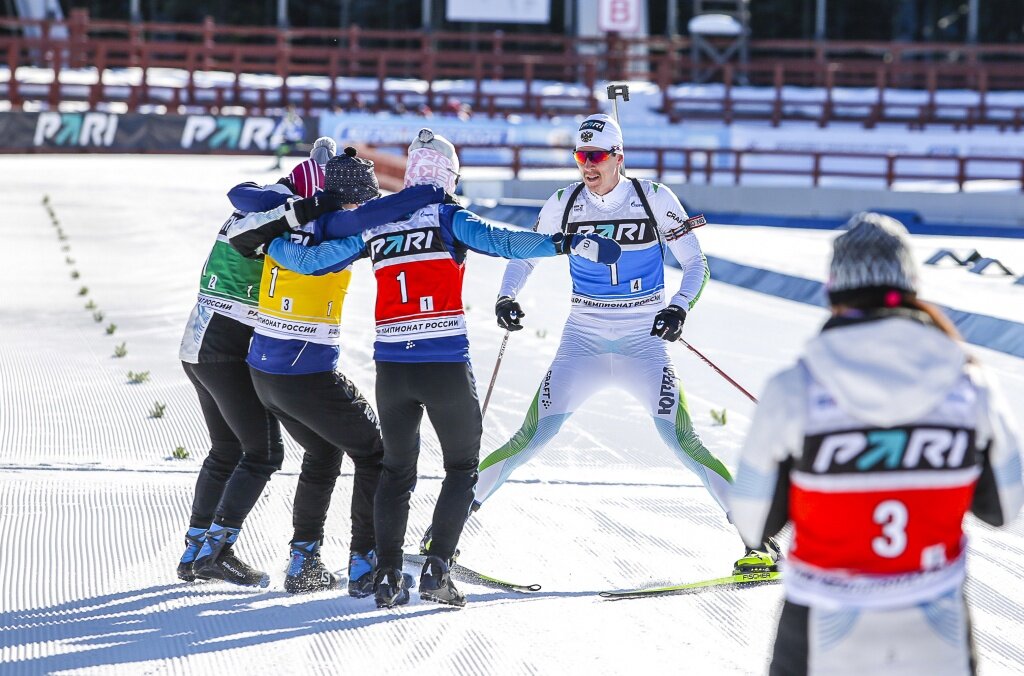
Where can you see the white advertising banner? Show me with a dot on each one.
(618, 16)
(499, 11)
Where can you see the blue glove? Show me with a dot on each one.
(592, 247)
(668, 323)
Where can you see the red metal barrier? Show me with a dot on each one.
(481, 57)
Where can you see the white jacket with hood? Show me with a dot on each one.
(894, 371)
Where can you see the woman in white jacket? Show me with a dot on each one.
(875, 445)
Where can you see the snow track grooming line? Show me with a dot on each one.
(463, 574)
(743, 580)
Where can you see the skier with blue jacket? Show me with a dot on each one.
(293, 358)
(422, 353)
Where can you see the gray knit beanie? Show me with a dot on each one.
(324, 148)
(870, 261)
(351, 177)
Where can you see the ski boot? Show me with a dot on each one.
(360, 573)
(425, 540)
(391, 587)
(764, 560)
(436, 583)
(306, 572)
(193, 543)
(217, 561)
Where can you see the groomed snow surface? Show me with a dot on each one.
(93, 506)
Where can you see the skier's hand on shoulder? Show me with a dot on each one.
(251, 235)
(311, 208)
(593, 247)
(668, 323)
(509, 313)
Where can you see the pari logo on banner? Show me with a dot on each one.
(232, 133)
(619, 16)
(75, 129)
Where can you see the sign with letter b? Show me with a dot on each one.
(618, 16)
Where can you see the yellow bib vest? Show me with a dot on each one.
(293, 306)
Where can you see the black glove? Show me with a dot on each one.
(311, 208)
(668, 323)
(250, 235)
(509, 313)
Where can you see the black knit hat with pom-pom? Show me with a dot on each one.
(351, 177)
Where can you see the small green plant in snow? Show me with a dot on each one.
(138, 377)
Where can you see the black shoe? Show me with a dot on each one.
(436, 583)
(391, 587)
(306, 572)
(229, 568)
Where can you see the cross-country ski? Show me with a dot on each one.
(740, 581)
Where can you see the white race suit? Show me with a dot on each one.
(607, 338)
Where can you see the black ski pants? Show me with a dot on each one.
(245, 444)
(328, 417)
(447, 391)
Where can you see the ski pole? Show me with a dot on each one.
(614, 92)
(494, 376)
(719, 371)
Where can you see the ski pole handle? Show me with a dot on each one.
(494, 376)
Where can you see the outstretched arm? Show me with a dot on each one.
(327, 257)
(340, 224)
(517, 272)
(482, 237)
(250, 197)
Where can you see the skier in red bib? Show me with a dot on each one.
(422, 354)
(875, 445)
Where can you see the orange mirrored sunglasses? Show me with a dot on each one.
(595, 156)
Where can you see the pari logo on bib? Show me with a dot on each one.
(432, 161)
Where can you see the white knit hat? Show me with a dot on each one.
(599, 131)
(432, 160)
(872, 256)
